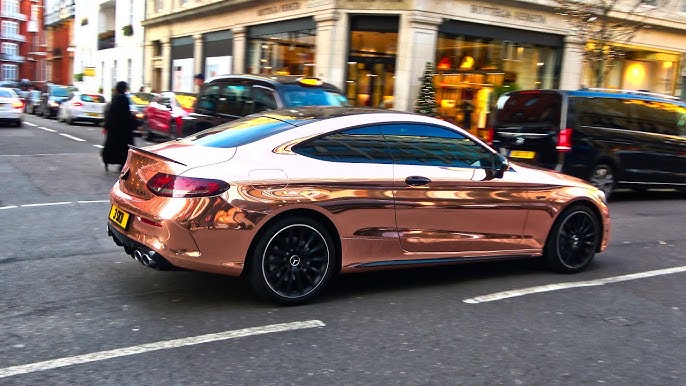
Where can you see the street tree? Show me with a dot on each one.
(603, 27)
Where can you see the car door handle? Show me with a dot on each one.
(417, 180)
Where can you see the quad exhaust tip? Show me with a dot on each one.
(146, 259)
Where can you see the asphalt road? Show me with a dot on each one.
(77, 310)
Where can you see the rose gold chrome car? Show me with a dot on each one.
(288, 198)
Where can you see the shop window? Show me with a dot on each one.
(283, 53)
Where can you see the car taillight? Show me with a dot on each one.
(488, 136)
(169, 185)
(564, 140)
(77, 104)
(18, 105)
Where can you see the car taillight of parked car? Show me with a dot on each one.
(169, 185)
(77, 104)
(18, 105)
(564, 140)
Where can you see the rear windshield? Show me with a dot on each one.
(141, 98)
(295, 96)
(60, 91)
(240, 132)
(529, 108)
(93, 98)
(6, 94)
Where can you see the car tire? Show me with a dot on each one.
(573, 240)
(292, 260)
(172, 130)
(68, 119)
(604, 178)
(149, 135)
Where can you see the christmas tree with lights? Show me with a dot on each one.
(426, 100)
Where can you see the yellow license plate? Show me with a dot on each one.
(94, 115)
(522, 154)
(119, 217)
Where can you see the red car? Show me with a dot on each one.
(164, 114)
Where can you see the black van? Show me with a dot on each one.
(227, 97)
(612, 138)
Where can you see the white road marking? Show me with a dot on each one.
(575, 284)
(30, 124)
(46, 204)
(162, 345)
(46, 129)
(8, 207)
(99, 146)
(72, 137)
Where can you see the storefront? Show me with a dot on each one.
(476, 63)
(182, 64)
(282, 48)
(217, 53)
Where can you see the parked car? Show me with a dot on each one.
(11, 108)
(611, 138)
(84, 107)
(287, 198)
(33, 100)
(54, 95)
(228, 97)
(163, 115)
(139, 102)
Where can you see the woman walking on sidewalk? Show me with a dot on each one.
(119, 127)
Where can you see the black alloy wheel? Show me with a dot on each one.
(292, 261)
(603, 178)
(573, 240)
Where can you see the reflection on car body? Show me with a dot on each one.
(287, 198)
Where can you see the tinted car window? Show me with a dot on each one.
(239, 132)
(92, 98)
(359, 145)
(529, 108)
(6, 94)
(264, 99)
(413, 144)
(295, 96)
(232, 98)
(604, 112)
(656, 117)
(59, 91)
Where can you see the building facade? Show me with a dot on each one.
(23, 41)
(109, 44)
(376, 50)
(59, 28)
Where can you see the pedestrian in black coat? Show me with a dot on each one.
(119, 127)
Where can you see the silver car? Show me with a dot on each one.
(11, 107)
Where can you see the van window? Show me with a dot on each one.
(656, 117)
(611, 113)
(533, 107)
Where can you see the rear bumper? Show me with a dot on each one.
(138, 251)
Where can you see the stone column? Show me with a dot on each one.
(239, 49)
(166, 64)
(148, 66)
(331, 47)
(416, 45)
(572, 64)
(197, 54)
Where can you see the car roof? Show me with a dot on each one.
(606, 93)
(273, 80)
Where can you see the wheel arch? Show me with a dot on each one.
(310, 213)
(589, 205)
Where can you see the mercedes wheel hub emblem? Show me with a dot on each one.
(295, 261)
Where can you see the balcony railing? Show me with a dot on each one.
(12, 58)
(15, 16)
(18, 38)
(106, 40)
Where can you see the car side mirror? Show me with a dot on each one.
(500, 165)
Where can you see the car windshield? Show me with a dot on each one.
(60, 91)
(92, 98)
(141, 98)
(295, 96)
(240, 132)
(184, 100)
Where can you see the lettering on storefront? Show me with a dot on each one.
(285, 7)
(507, 14)
(374, 4)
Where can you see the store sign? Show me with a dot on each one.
(285, 7)
(89, 71)
(375, 4)
(505, 13)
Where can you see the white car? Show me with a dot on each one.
(85, 107)
(11, 107)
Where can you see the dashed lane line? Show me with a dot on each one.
(30, 124)
(575, 284)
(53, 204)
(47, 129)
(72, 137)
(156, 346)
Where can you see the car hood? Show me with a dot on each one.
(546, 176)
